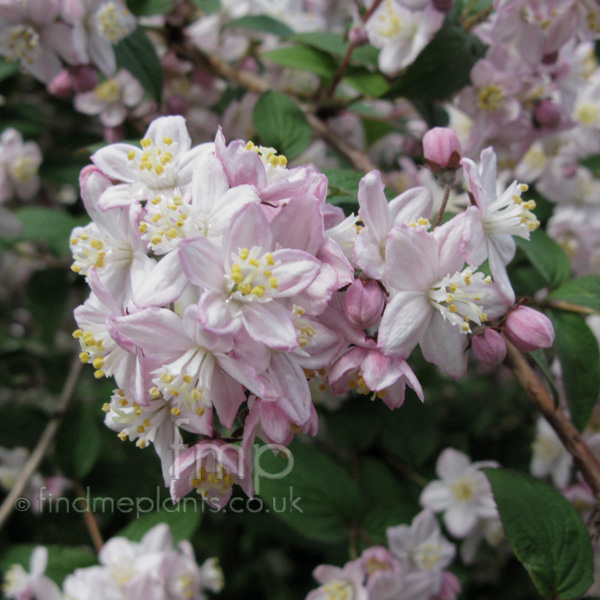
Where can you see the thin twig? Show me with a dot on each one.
(443, 206)
(88, 517)
(43, 444)
(584, 459)
(568, 306)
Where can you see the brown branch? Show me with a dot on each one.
(585, 461)
(569, 306)
(88, 517)
(43, 443)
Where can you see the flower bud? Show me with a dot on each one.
(489, 347)
(84, 78)
(528, 329)
(444, 6)
(363, 303)
(442, 153)
(546, 114)
(358, 35)
(62, 85)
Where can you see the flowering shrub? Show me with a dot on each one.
(332, 272)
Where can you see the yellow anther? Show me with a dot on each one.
(146, 142)
(155, 392)
(124, 402)
(175, 393)
(273, 282)
(249, 145)
(531, 204)
(236, 267)
(517, 199)
(77, 333)
(156, 218)
(302, 341)
(159, 169)
(106, 407)
(245, 288)
(99, 374)
(237, 277)
(254, 262)
(84, 237)
(196, 394)
(524, 187)
(200, 411)
(282, 161)
(269, 259)
(76, 269)
(141, 444)
(84, 357)
(244, 253)
(175, 411)
(122, 436)
(131, 154)
(533, 225)
(143, 228)
(259, 290)
(167, 141)
(137, 410)
(454, 286)
(98, 363)
(187, 378)
(166, 378)
(483, 317)
(156, 239)
(156, 200)
(452, 308)
(172, 233)
(449, 298)
(301, 311)
(267, 273)
(74, 242)
(177, 200)
(141, 429)
(88, 338)
(422, 221)
(465, 327)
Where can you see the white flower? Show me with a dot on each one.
(550, 458)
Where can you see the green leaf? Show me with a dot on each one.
(343, 182)
(47, 300)
(542, 362)
(305, 58)
(144, 8)
(355, 424)
(547, 257)
(281, 124)
(48, 225)
(136, 54)
(207, 6)
(546, 533)
(183, 519)
(7, 69)
(309, 491)
(78, 442)
(411, 444)
(333, 43)
(368, 84)
(443, 67)
(579, 356)
(584, 291)
(262, 23)
(62, 560)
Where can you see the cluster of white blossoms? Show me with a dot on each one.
(149, 569)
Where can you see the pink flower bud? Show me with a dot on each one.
(363, 303)
(84, 78)
(528, 329)
(62, 85)
(441, 149)
(444, 6)
(358, 35)
(489, 347)
(547, 114)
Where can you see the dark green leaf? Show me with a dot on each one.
(50, 226)
(410, 432)
(262, 23)
(584, 291)
(333, 43)
(343, 182)
(309, 491)
(368, 84)
(136, 54)
(144, 8)
(542, 362)
(305, 58)
(579, 356)
(78, 442)
(281, 124)
(355, 424)
(545, 532)
(183, 519)
(7, 69)
(208, 6)
(443, 67)
(547, 257)
(47, 300)
(62, 560)
(31, 425)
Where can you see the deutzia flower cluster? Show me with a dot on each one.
(411, 568)
(151, 568)
(224, 290)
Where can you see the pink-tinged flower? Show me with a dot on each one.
(112, 99)
(73, 80)
(433, 301)
(547, 114)
(165, 162)
(489, 347)
(31, 34)
(463, 494)
(494, 219)
(19, 163)
(528, 329)
(211, 467)
(110, 243)
(363, 303)
(21, 585)
(450, 587)
(246, 280)
(550, 458)
(379, 217)
(442, 149)
(344, 583)
(97, 26)
(401, 33)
